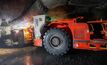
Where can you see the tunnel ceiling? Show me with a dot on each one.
(12, 9)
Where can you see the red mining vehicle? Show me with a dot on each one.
(58, 36)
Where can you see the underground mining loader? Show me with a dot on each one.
(11, 36)
(60, 35)
(21, 37)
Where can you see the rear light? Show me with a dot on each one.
(76, 45)
(38, 42)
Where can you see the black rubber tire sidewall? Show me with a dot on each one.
(63, 48)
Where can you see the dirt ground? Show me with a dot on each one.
(38, 56)
(8, 51)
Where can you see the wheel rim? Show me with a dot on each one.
(55, 41)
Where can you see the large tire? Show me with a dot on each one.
(21, 39)
(18, 38)
(56, 42)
